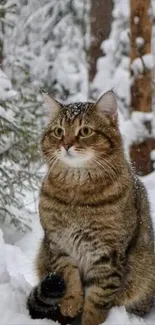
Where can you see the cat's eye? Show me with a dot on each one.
(85, 131)
(58, 132)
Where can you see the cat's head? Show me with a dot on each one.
(81, 135)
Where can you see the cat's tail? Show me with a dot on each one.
(44, 298)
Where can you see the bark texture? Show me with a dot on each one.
(101, 18)
(141, 89)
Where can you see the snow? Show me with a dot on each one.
(139, 42)
(47, 50)
(113, 67)
(136, 20)
(17, 276)
(142, 63)
(153, 155)
(6, 91)
(134, 130)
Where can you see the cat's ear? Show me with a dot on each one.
(51, 104)
(107, 104)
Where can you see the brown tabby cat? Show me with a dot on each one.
(97, 229)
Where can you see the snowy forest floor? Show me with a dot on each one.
(17, 276)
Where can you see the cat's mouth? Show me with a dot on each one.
(74, 159)
(69, 154)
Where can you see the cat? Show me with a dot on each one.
(98, 234)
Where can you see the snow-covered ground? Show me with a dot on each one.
(17, 276)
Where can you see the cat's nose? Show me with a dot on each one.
(67, 142)
(67, 146)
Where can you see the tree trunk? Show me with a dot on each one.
(2, 17)
(141, 89)
(101, 18)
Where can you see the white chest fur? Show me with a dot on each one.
(73, 242)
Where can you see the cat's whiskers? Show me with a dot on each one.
(49, 154)
(50, 159)
(111, 167)
(110, 164)
(78, 173)
(106, 169)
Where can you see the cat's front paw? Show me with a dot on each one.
(93, 316)
(71, 306)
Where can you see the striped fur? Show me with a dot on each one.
(97, 227)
